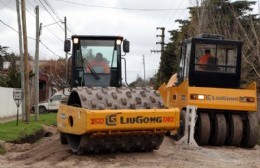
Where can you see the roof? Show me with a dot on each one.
(103, 37)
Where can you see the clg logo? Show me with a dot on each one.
(111, 120)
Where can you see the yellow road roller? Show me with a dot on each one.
(209, 78)
(99, 115)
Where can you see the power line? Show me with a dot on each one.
(14, 29)
(55, 13)
(55, 35)
(49, 49)
(51, 24)
(8, 26)
(118, 8)
(52, 9)
(50, 14)
(6, 4)
(46, 27)
(30, 38)
(57, 16)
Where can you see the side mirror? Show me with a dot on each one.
(126, 46)
(67, 45)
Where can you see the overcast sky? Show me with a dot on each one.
(135, 20)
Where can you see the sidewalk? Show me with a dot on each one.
(12, 118)
(7, 119)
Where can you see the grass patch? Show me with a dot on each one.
(10, 132)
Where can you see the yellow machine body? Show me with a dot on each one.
(226, 109)
(79, 121)
(209, 98)
(100, 115)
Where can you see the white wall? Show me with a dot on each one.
(8, 107)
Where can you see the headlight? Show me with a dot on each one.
(118, 42)
(75, 40)
(197, 97)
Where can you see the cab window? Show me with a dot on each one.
(215, 58)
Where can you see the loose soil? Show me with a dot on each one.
(48, 152)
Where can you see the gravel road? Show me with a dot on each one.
(48, 152)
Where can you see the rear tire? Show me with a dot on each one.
(219, 131)
(250, 131)
(63, 139)
(235, 132)
(202, 129)
(74, 142)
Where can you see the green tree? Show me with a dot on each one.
(139, 82)
(234, 21)
(170, 57)
(12, 78)
(230, 19)
(3, 50)
(169, 60)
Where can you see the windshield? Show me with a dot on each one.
(216, 58)
(96, 58)
(100, 54)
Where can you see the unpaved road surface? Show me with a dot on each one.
(48, 152)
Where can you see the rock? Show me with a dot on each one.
(2, 144)
(12, 147)
(2, 147)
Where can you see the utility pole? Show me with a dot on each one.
(144, 68)
(36, 63)
(66, 53)
(162, 47)
(26, 65)
(21, 56)
(161, 42)
(162, 39)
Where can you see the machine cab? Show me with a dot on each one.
(96, 60)
(210, 61)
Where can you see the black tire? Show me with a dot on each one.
(219, 134)
(63, 139)
(202, 129)
(249, 139)
(74, 142)
(181, 130)
(235, 131)
(42, 109)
